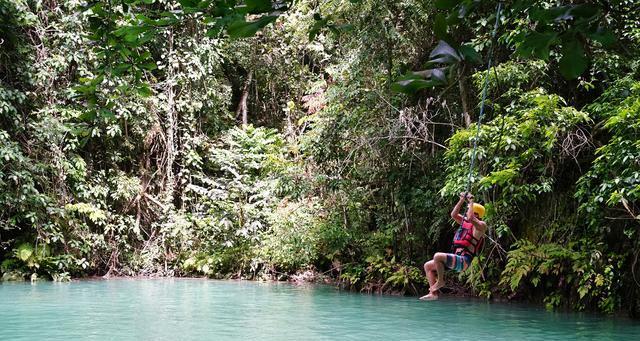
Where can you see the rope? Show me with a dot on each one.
(484, 97)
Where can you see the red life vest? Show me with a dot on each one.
(465, 240)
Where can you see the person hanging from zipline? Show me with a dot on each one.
(466, 243)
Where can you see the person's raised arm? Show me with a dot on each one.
(455, 213)
(477, 223)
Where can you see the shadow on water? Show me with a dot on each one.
(197, 309)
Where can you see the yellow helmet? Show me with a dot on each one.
(477, 208)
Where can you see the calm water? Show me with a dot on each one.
(181, 309)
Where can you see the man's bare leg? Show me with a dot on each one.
(439, 259)
(430, 270)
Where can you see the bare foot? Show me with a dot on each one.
(436, 286)
(429, 297)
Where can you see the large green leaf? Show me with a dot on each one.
(258, 6)
(446, 4)
(551, 14)
(129, 33)
(468, 53)
(563, 13)
(242, 29)
(438, 75)
(144, 90)
(537, 44)
(440, 26)
(189, 3)
(318, 25)
(585, 11)
(573, 62)
(149, 66)
(121, 69)
(415, 81)
(444, 53)
(411, 86)
(603, 36)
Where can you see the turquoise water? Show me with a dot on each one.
(192, 309)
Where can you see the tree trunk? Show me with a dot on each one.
(464, 97)
(170, 130)
(242, 106)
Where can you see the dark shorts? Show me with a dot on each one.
(458, 262)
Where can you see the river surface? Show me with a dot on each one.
(194, 309)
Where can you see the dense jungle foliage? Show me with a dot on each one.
(258, 139)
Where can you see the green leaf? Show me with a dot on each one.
(585, 11)
(440, 26)
(317, 26)
(130, 33)
(108, 115)
(98, 10)
(88, 116)
(551, 14)
(444, 53)
(446, 4)
(167, 19)
(149, 66)
(470, 54)
(411, 86)
(189, 3)
(438, 74)
(345, 27)
(144, 91)
(573, 62)
(537, 44)
(24, 251)
(214, 31)
(7, 264)
(120, 69)
(242, 29)
(147, 36)
(603, 36)
(258, 6)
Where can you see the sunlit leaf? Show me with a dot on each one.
(24, 251)
(144, 91)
